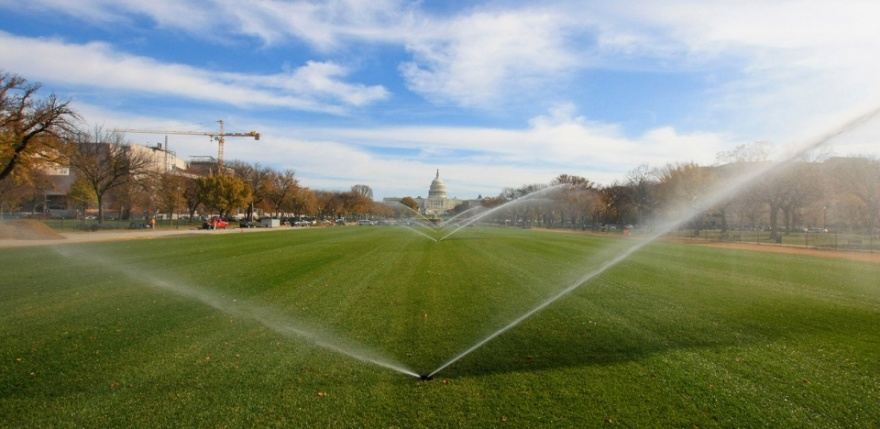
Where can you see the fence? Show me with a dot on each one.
(854, 241)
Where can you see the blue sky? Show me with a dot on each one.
(493, 94)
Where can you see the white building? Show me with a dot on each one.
(437, 203)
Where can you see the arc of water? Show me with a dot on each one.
(719, 194)
(449, 221)
(419, 232)
(423, 220)
(527, 198)
(280, 324)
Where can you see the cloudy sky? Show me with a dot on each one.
(494, 94)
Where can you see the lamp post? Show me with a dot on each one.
(825, 216)
(177, 206)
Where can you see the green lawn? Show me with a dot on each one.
(282, 329)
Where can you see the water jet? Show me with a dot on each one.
(715, 195)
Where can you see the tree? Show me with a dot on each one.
(381, 210)
(859, 179)
(170, 192)
(747, 152)
(259, 179)
(363, 190)
(643, 188)
(574, 197)
(192, 195)
(38, 183)
(104, 160)
(355, 203)
(304, 201)
(681, 189)
(28, 124)
(140, 192)
(614, 204)
(283, 191)
(13, 190)
(329, 204)
(81, 195)
(224, 193)
(411, 203)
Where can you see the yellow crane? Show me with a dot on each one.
(219, 136)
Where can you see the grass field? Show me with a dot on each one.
(278, 330)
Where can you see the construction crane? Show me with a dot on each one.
(220, 137)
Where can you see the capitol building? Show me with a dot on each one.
(437, 203)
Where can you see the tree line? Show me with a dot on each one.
(841, 193)
(43, 137)
(42, 134)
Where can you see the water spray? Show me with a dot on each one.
(717, 195)
(280, 324)
(527, 198)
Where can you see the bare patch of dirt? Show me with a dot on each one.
(771, 248)
(27, 230)
(794, 250)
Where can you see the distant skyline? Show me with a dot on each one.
(494, 94)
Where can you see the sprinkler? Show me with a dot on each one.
(425, 377)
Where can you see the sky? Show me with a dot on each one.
(493, 94)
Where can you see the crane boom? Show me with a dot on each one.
(219, 136)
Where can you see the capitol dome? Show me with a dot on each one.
(438, 189)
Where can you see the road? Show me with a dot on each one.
(139, 234)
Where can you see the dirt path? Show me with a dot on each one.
(33, 233)
(771, 248)
(37, 234)
(793, 250)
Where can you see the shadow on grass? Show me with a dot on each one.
(581, 343)
(516, 353)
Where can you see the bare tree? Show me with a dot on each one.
(170, 192)
(13, 190)
(363, 190)
(860, 178)
(27, 123)
(681, 189)
(575, 198)
(643, 186)
(104, 160)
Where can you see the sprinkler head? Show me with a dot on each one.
(425, 377)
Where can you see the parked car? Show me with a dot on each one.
(244, 223)
(215, 223)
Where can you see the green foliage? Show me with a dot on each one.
(224, 193)
(195, 331)
(82, 195)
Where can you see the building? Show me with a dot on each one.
(438, 202)
(159, 161)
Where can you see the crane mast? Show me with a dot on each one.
(220, 137)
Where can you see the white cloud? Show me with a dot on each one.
(773, 70)
(481, 58)
(325, 25)
(485, 160)
(779, 66)
(313, 87)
